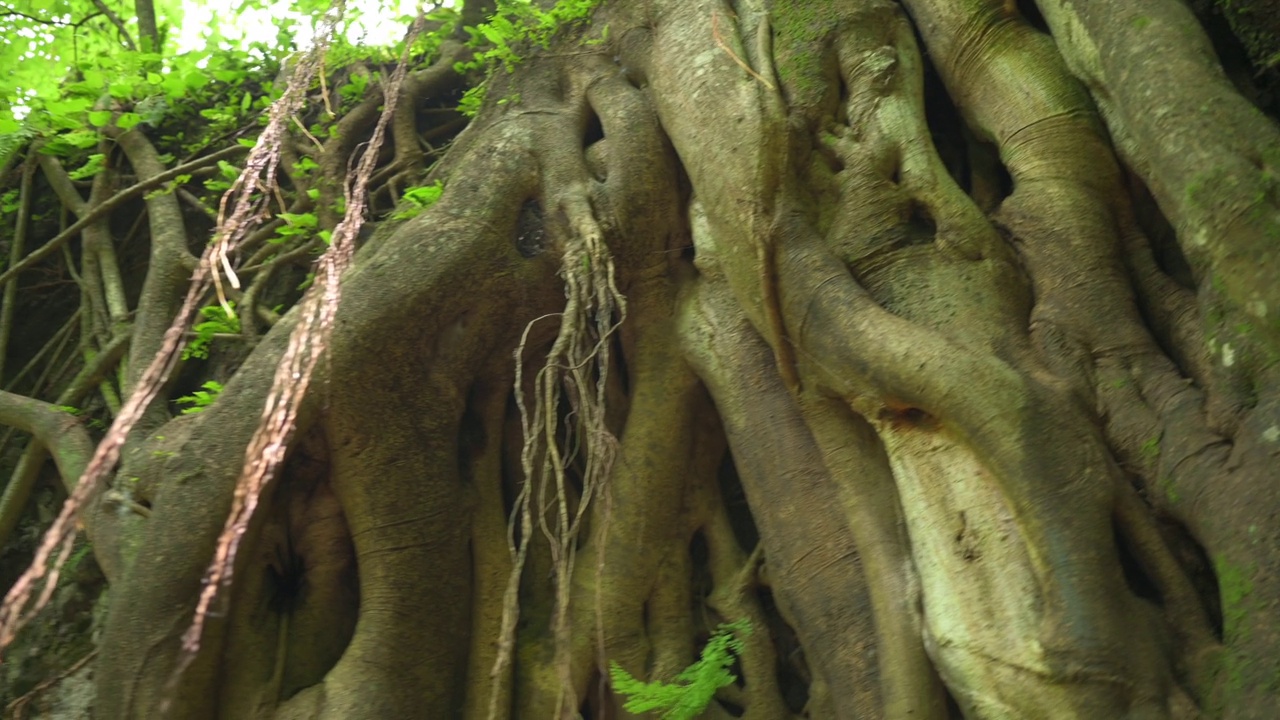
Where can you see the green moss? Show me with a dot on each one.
(1235, 589)
(799, 29)
(1140, 22)
(1235, 586)
(1151, 448)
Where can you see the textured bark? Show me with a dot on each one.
(912, 390)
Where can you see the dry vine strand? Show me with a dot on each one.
(267, 449)
(18, 608)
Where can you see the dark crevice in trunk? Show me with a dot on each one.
(1195, 561)
(1160, 234)
(1260, 85)
(592, 131)
(1135, 577)
(794, 676)
(531, 231)
(946, 126)
(1033, 16)
(512, 475)
(735, 500)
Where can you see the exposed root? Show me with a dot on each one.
(577, 369)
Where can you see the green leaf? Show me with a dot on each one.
(217, 321)
(201, 399)
(9, 126)
(174, 86)
(302, 220)
(229, 76)
(195, 80)
(100, 118)
(82, 138)
(96, 164)
(70, 106)
(127, 120)
(121, 89)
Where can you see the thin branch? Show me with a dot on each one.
(42, 21)
(57, 430)
(115, 20)
(115, 201)
(15, 254)
(56, 343)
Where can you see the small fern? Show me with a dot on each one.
(200, 399)
(694, 687)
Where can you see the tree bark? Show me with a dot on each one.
(846, 320)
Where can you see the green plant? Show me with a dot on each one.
(694, 687)
(419, 199)
(295, 224)
(217, 321)
(201, 399)
(230, 173)
(90, 422)
(515, 23)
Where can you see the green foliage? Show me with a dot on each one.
(217, 321)
(9, 202)
(472, 99)
(355, 88)
(229, 174)
(419, 199)
(515, 24)
(90, 422)
(304, 167)
(170, 186)
(695, 686)
(96, 163)
(70, 72)
(201, 399)
(295, 225)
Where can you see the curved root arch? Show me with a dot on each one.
(793, 369)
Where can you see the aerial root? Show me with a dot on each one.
(576, 369)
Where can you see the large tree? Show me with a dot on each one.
(933, 347)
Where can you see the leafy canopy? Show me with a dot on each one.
(57, 53)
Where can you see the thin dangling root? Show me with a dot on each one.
(578, 363)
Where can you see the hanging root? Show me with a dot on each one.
(577, 368)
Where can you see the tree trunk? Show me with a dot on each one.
(936, 341)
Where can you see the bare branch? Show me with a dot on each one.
(110, 204)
